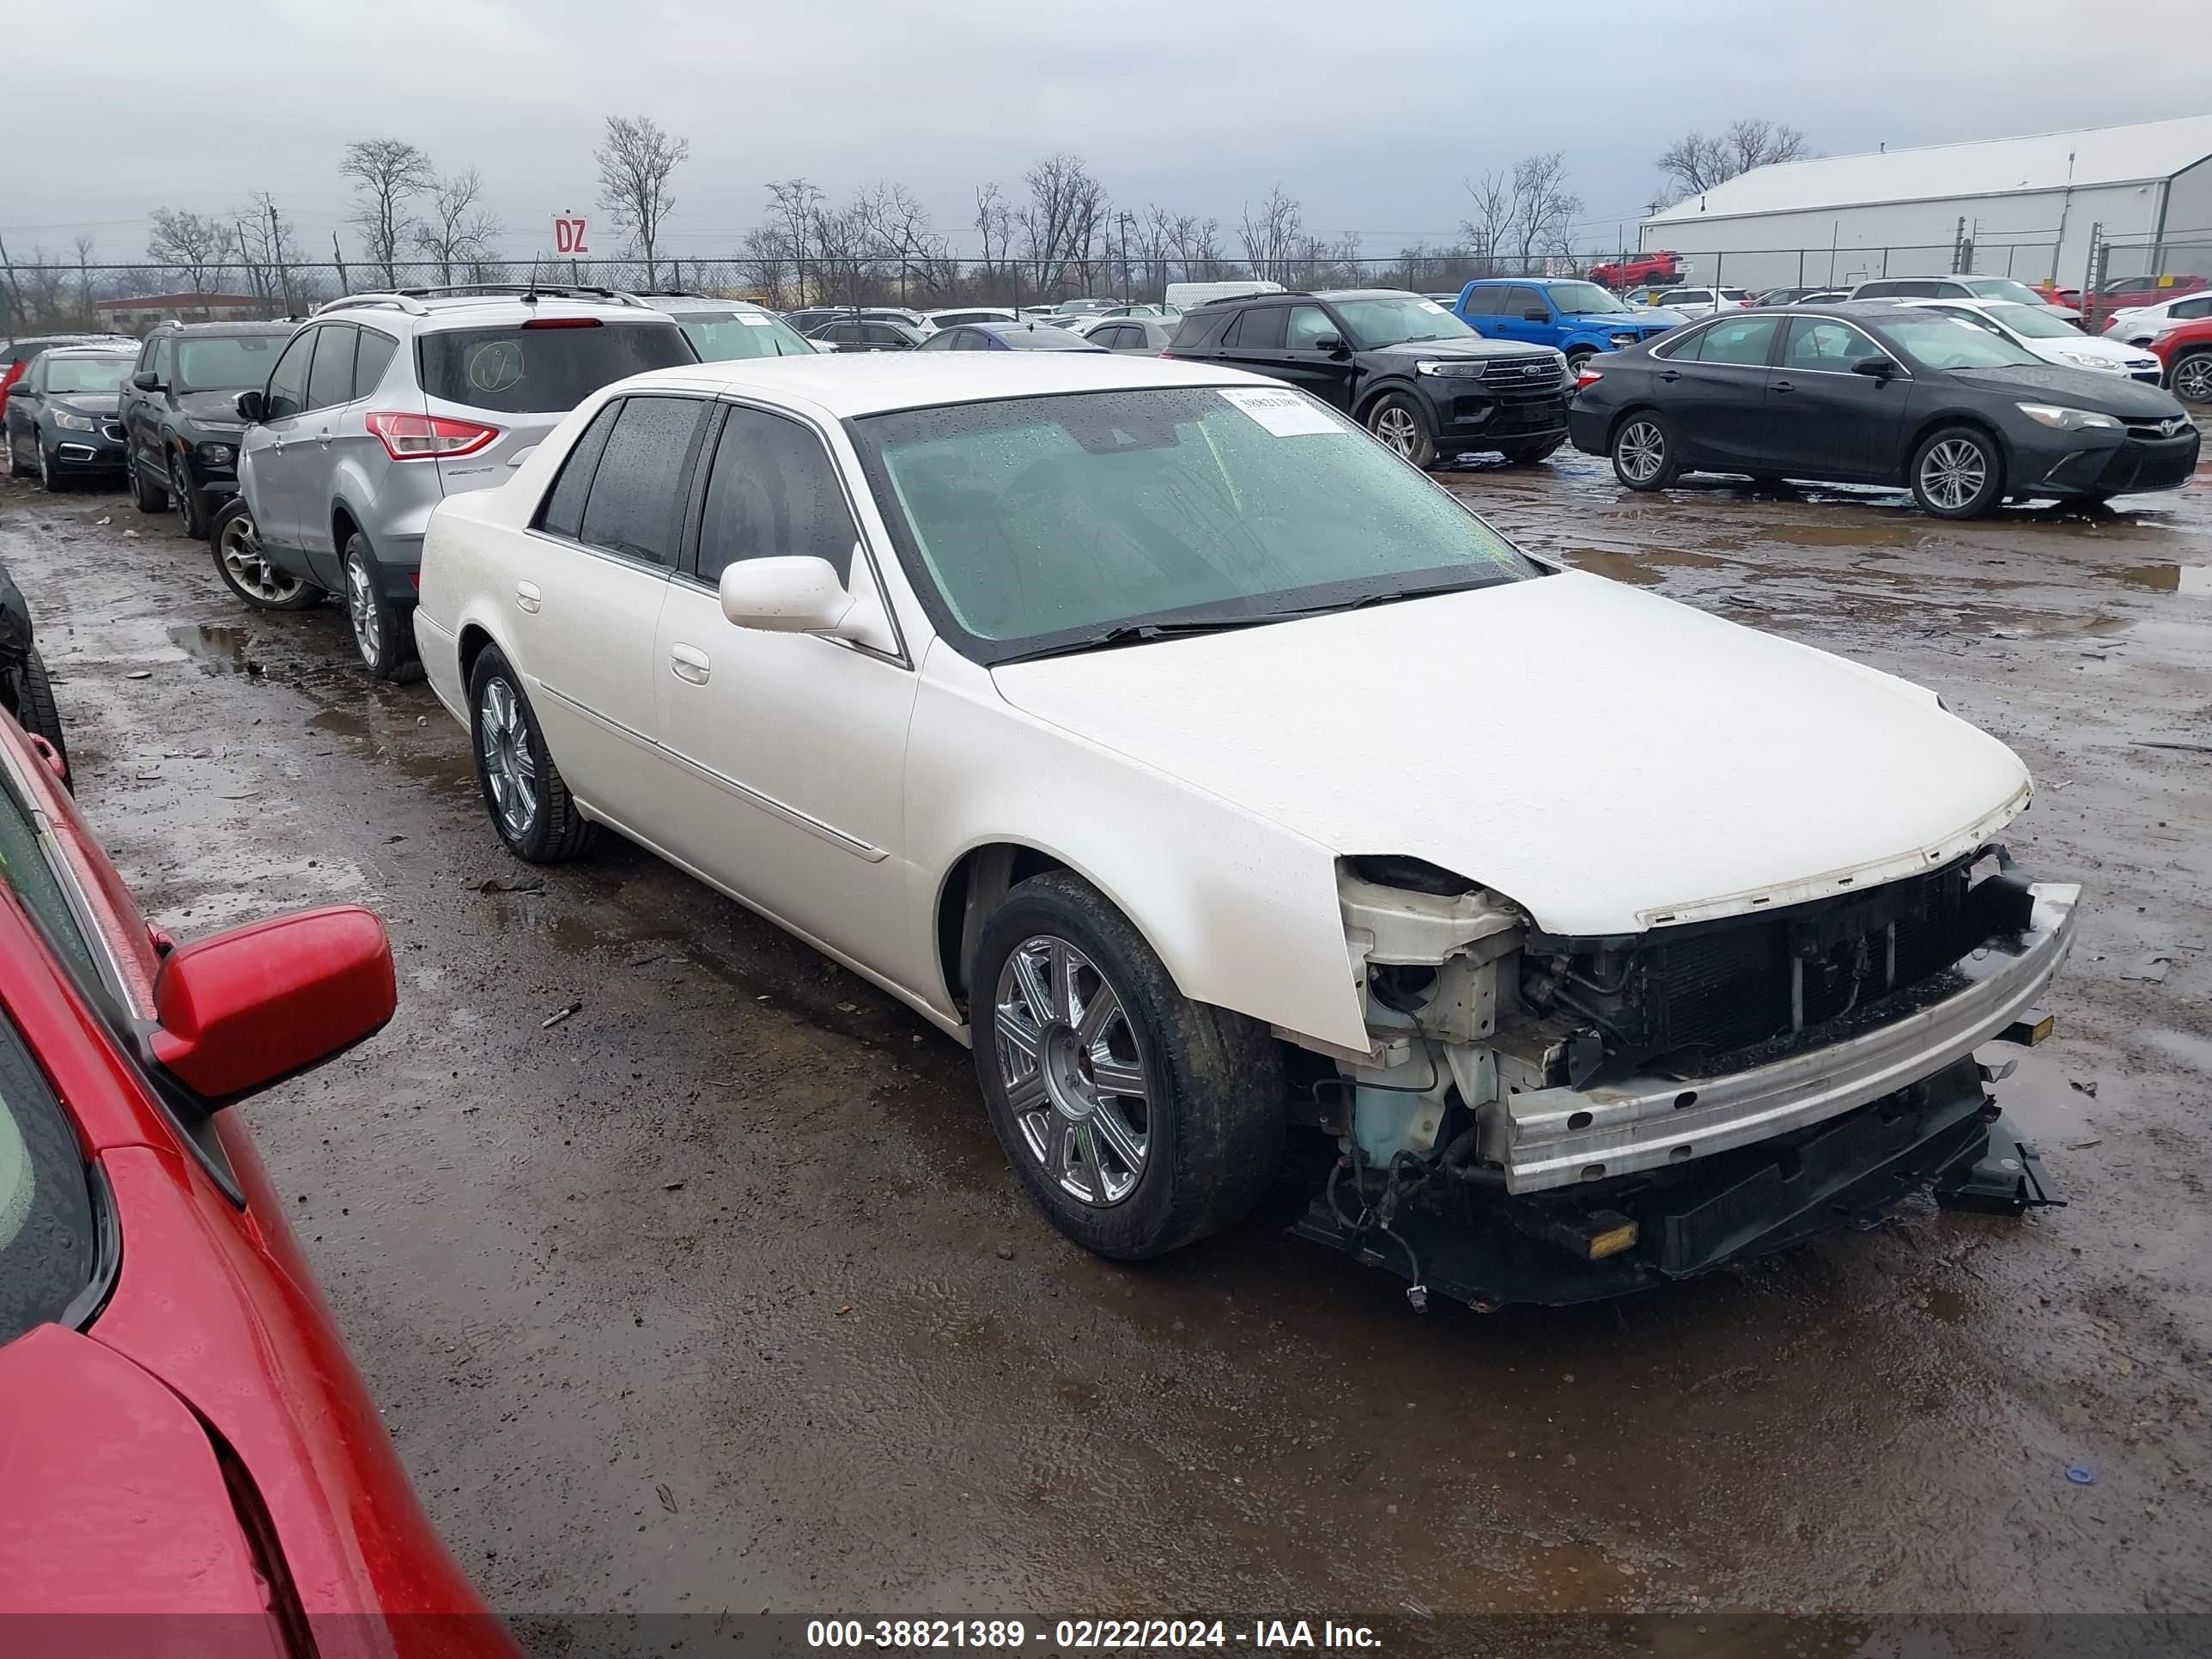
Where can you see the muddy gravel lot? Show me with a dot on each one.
(717, 1293)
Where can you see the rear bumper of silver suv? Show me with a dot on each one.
(1562, 1137)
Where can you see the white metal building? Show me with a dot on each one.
(2029, 207)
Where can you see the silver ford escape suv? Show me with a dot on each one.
(383, 405)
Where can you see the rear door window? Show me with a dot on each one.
(330, 380)
(1483, 301)
(1745, 344)
(633, 508)
(544, 366)
(1257, 330)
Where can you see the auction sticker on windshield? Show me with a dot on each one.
(1282, 413)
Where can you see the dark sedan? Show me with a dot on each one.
(1033, 336)
(1877, 393)
(62, 414)
(865, 334)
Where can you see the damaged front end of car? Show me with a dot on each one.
(1555, 1119)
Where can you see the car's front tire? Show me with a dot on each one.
(1643, 451)
(1958, 473)
(41, 717)
(184, 495)
(148, 498)
(1528, 454)
(247, 571)
(523, 791)
(1403, 426)
(1138, 1119)
(381, 632)
(49, 480)
(2191, 379)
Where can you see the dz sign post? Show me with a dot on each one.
(568, 238)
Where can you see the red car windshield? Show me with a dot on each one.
(48, 1241)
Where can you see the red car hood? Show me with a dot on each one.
(116, 1506)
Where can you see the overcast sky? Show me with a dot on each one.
(1371, 115)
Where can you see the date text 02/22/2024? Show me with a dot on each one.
(1092, 1635)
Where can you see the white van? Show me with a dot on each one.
(1182, 296)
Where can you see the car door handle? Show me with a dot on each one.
(1782, 385)
(1670, 376)
(527, 596)
(690, 663)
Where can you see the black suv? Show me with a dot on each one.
(180, 415)
(1416, 376)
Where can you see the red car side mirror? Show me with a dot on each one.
(245, 1008)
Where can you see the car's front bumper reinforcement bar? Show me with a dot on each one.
(1554, 1138)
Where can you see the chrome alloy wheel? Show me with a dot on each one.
(181, 500)
(1953, 473)
(509, 769)
(240, 549)
(362, 607)
(2192, 378)
(1642, 449)
(1394, 425)
(1073, 1073)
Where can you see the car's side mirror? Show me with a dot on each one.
(243, 1009)
(784, 595)
(1535, 316)
(1332, 343)
(1881, 368)
(146, 380)
(249, 405)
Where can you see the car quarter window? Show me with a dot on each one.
(1482, 302)
(1258, 330)
(1745, 344)
(375, 356)
(563, 513)
(1823, 343)
(330, 381)
(287, 381)
(633, 507)
(2191, 307)
(1307, 325)
(773, 491)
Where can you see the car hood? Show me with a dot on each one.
(1607, 758)
(2114, 351)
(1473, 347)
(85, 403)
(211, 408)
(1642, 316)
(2093, 389)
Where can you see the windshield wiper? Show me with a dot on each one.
(1184, 627)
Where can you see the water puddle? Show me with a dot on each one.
(1844, 535)
(2170, 577)
(1645, 568)
(217, 649)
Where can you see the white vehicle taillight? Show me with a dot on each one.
(425, 437)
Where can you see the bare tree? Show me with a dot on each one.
(1543, 207)
(1066, 208)
(1272, 240)
(1489, 224)
(388, 174)
(83, 246)
(198, 248)
(636, 160)
(994, 223)
(1695, 162)
(792, 204)
(458, 230)
(899, 227)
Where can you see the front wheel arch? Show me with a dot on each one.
(1923, 430)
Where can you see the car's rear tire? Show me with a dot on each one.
(185, 496)
(39, 715)
(247, 571)
(1958, 472)
(381, 630)
(1403, 426)
(148, 498)
(15, 467)
(2191, 378)
(1643, 450)
(1526, 454)
(523, 791)
(1138, 1119)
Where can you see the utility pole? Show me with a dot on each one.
(15, 287)
(337, 257)
(276, 255)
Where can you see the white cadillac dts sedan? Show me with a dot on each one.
(1211, 771)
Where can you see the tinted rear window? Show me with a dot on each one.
(520, 370)
(633, 508)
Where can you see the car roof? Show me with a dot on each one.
(173, 327)
(675, 303)
(847, 385)
(488, 307)
(90, 351)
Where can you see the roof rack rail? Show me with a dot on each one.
(361, 302)
(523, 291)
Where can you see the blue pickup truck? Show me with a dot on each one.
(1579, 318)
